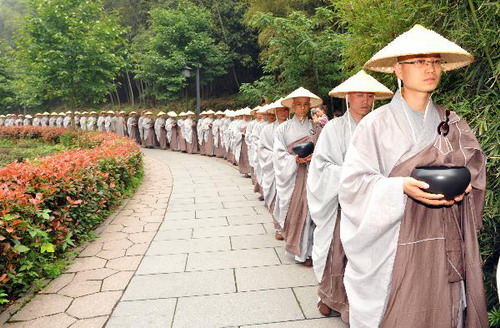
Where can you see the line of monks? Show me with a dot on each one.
(386, 253)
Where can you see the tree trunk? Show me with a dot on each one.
(132, 100)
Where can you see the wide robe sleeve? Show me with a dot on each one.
(285, 168)
(323, 189)
(372, 207)
(265, 159)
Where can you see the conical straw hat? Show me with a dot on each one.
(361, 82)
(301, 92)
(46, 113)
(219, 112)
(246, 111)
(182, 114)
(28, 116)
(256, 108)
(210, 112)
(263, 109)
(160, 113)
(419, 41)
(172, 114)
(148, 113)
(271, 108)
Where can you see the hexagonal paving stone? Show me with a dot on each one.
(57, 284)
(81, 288)
(86, 263)
(112, 254)
(43, 305)
(126, 263)
(61, 320)
(141, 237)
(94, 305)
(119, 244)
(97, 274)
(118, 281)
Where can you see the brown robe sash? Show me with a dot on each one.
(298, 209)
(331, 289)
(438, 246)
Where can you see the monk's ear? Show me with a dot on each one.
(398, 70)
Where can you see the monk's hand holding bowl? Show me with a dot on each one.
(303, 160)
(459, 198)
(413, 188)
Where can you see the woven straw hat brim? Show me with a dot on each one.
(277, 104)
(160, 113)
(263, 109)
(419, 41)
(246, 111)
(301, 92)
(361, 82)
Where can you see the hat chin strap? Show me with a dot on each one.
(348, 113)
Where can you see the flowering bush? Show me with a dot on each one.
(49, 203)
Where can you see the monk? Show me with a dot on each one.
(291, 174)
(265, 157)
(190, 133)
(160, 132)
(328, 256)
(243, 164)
(133, 127)
(169, 127)
(216, 131)
(413, 256)
(208, 136)
(255, 139)
(149, 131)
(91, 121)
(121, 124)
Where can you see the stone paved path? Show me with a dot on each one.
(214, 261)
(199, 254)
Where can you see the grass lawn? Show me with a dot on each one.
(17, 150)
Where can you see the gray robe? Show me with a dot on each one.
(286, 168)
(373, 207)
(323, 185)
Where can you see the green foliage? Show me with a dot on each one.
(494, 317)
(7, 91)
(472, 92)
(59, 212)
(282, 7)
(297, 51)
(177, 38)
(70, 50)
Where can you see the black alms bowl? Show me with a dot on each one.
(303, 149)
(450, 181)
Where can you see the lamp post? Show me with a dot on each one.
(186, 71)
(198, 98)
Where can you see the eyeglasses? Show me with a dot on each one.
(421, 63)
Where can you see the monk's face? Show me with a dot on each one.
(419, 73)
(282, 114)
(270, 117)
(360, 103)
(301, 105)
